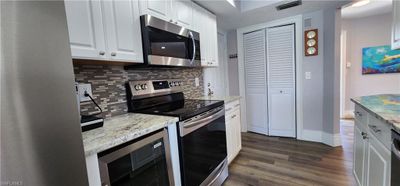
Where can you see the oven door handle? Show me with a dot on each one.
(220, 169)
(396, 149)
(194, 46)
(187, 127)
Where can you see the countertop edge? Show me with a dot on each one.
(127, 138)
(393, 125)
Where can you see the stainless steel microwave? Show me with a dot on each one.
(168, 44)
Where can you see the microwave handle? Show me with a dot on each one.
(194, 46)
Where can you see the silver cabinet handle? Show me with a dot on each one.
(102, 53)
(375, 128)
(228, 109)
(113, 53)
(364, 135)
(233, 116)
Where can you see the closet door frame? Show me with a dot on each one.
(298, 22)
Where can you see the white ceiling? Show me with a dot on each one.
(249, 12)
(375, 7)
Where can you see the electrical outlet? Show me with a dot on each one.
(196, 82)
(81, 91)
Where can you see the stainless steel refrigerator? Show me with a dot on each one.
(41, 142)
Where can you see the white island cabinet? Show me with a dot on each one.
(104, 30)
(371, 164)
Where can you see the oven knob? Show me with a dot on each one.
(170, 84)
(180, 83)
(137, 87)
(144, 86)
(175, 83)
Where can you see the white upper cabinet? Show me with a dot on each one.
(104, 30)
(157, 8)
(123, 30)
(183, 13)
(85, 27)
(212, 39)
(396, 25)
(205, 23)
(179, 12)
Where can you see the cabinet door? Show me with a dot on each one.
(86, 29)
(396, 25)
(378, 171)
(183, 13)
(123, 30)
(213, 39)
(237, 133)
(359, 152)
(199, 25)
(229, 137)
(158, 8)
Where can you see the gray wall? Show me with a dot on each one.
(313, 88)
(233, 71)
(331, 121)
(359, 32)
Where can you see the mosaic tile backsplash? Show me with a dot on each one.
(108, 84)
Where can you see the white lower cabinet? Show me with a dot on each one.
(371, 158)
(233, 129)
(378, 171)
(359, 153)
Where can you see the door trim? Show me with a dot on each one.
(298, 22)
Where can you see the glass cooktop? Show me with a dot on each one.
(183, 109)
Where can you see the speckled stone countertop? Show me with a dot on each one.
(120, 129)
(226, 99)
(385, 106)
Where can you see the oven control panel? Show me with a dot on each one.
(140, 88)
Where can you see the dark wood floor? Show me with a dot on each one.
(282, 161)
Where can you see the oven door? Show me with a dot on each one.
(203, 148)
(395, 178)
(144, 162)
(167, 44)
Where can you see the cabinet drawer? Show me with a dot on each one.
(232, 115)
(361, 115)
(380, 129)
(232, 106)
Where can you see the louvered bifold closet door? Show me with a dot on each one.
(281, 81)
(256, 83)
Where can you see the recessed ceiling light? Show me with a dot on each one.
(360, 3)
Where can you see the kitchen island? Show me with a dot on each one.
(386, 107)
(375, 118)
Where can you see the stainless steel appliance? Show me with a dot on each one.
(41, 141)
(395, 176)
(168, 44)
(145, 161)
(201, 129)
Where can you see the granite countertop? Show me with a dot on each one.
(226, 99)
(120, 129)
(385, 106)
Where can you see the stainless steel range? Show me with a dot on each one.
(201, 128)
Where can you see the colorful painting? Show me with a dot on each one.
(380, 59)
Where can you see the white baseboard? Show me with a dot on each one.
(348, 114)
(311, 135)
(332, 140)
